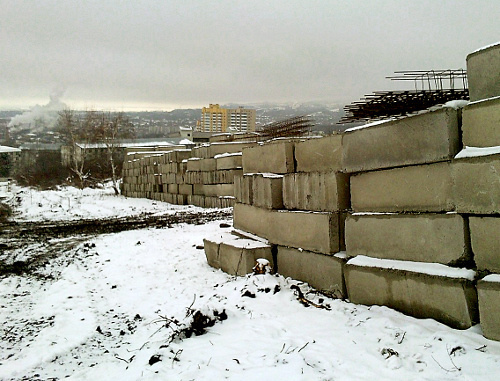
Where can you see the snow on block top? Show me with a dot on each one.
(273, 157)
(483, 72)
(319, 154)
(228, 147)
(432, 269)
(428, 137)
(422, 290)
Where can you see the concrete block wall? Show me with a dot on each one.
(203, 176)
(417, 201)
(293, 195)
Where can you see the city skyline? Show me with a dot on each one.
(161, 55)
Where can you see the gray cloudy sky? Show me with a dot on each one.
(167, 54)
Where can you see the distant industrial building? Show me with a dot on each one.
(216, 119)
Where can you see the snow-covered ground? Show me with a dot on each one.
(115, 306)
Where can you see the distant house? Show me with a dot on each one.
(9, 157)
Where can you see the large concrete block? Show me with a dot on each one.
(481, 123)
(212, 245)
(194, 164)
(422, 290)
(239, 256)
(313, 231)
(228, 147)
(323, 272)
(319, 154)
(476, 186)
(267, 191)
(484, 233)
(425, 138)
(229, 161)
(207, 165)
(483, 73)
(318, 191)
(275, 157)
(441, 238)
(243, 188)
(214, 190)
(422, 188)
(488, 292)
(185, 189)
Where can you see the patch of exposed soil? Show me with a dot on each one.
(27, 246)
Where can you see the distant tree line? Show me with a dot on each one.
(91, 151)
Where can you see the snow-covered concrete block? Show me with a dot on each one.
(208, 165)
(319, 154)
(422, 290)
(488, 292)
(239, 256)
(234, 255)
(317, 191)
(421, 188)
(323, 272)
(481, 123)
(425, 138)
(484, 233)
(229, 161)
(228, 147)
(314, 231)
(440, 238)
(477, 184)
(193, 164)
(267, 191)
(274, 157)
(178, 155)
(483, 72)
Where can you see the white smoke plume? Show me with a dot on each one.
(40, 118)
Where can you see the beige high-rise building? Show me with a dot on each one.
(217, 119)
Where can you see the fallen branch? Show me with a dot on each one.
(306, 302)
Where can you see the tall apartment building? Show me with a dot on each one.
(217, 119)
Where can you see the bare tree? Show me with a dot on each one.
(112, 128)
(77, 133)
(89, 132)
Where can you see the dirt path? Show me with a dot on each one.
(27, 246)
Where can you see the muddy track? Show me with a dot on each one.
(57, 229)
(26, 247)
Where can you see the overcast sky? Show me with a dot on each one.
(168, 54)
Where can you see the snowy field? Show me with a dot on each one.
(124, 307)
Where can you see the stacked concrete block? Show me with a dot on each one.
(300, 212)
(323, 272)
(476, 179)
(317, 191)
(426, 138)
(417, 200)
(174, 176)
(212, 173)
(423, 290)
(480, 123)
(488, 290)
(155, 174)
(433, 238)
(275, 157)
(235, 255)
(313, 231)
(405, 237)
(482, 72)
